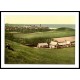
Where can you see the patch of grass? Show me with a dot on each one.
(50, 34)
(65, 29)
(38, 37)
(27, 55)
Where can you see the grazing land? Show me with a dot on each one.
(24, 54)
(50, 34)
(28, 55)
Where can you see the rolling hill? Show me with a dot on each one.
(28, 55)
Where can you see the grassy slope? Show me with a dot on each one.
(23, 54)
(50, 34)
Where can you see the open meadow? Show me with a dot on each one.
(48, 34)
(23, 54)
(28, 55)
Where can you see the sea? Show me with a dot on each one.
(57, 25)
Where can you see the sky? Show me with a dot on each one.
(40, 19)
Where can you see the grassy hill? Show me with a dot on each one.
(33, 39)
(50, 34)
(27, 55)
(65, 29)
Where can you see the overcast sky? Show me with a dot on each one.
(39, 19)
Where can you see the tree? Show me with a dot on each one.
(48, 41)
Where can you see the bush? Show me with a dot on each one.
(35, 41)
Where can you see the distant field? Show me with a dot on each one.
(27, 55)
(51, 34)
(14, 32)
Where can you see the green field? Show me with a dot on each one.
(27, 55)
(50, 34)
